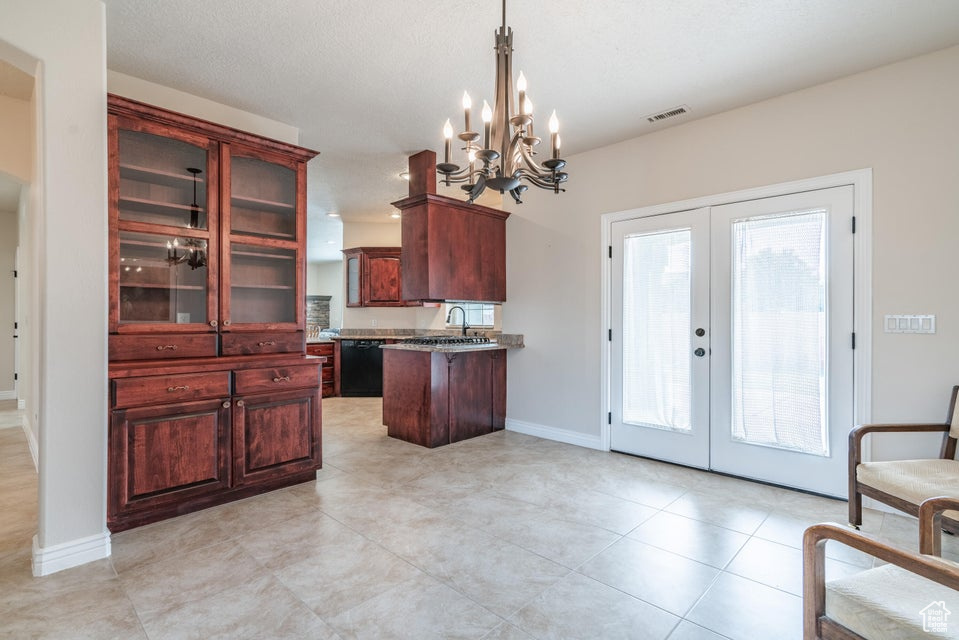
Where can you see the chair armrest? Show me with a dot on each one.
(858, 433)
(930, 523)
(814, 566)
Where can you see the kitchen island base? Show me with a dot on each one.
(433, 398)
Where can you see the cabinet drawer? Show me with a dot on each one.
(320, 349)
(147, 390)
(241, 344)
(277, 378)
(162, 346)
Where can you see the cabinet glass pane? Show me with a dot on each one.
(779, 332)
(262, 198)
(263, 284)
(162, 279)
(657, 297)
(156, 184)
(353, 281)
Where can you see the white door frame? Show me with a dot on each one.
(861, 181)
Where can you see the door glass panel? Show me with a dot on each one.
(162, 279)
(262, 198)
(263, 284)
(157, 180)
(779, 344)
(656, 330)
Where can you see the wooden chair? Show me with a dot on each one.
(904, 484)
(890, 601)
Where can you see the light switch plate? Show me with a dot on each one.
(910, 323)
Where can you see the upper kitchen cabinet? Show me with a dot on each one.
(163, 221)
(452, 250)
(373, 277)
(263, 234)
(207, 226)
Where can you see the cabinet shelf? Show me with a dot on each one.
(265, 256)
(155, 206)
(179, 287)
(157, 176)
(264, 205)
(278, 287)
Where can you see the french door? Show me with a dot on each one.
(732, 338)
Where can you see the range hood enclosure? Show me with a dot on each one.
(451, 250)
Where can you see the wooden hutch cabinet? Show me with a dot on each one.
(212, 395)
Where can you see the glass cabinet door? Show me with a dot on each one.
(162, 280)
(162, 213)
(262, 236)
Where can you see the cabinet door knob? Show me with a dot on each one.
(226, 323)
(226, 405)
(700, 352)
(239, 403)
(213, 323)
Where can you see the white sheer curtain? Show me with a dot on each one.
(779, 331)
(656, 330)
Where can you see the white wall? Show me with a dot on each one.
(160, 96)
(384, 234)
(900, 120)
(326, 279)
(8, 251)
(16, 145)
(62, 43)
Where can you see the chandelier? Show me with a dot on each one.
(506, 148)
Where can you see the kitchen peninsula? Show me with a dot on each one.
(438, 394)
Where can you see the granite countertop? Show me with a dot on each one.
(448, 348)
(503, 340)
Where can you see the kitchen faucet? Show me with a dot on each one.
(449, 316)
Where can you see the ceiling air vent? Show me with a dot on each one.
(671, 113)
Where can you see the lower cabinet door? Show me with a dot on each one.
(165, 454)
(275, 435)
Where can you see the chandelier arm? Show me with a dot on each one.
(542, 184)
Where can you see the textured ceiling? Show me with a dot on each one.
(370, 81)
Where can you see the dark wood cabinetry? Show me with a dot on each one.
(207, 246)
(326, 350)
(451, 250)
(374, 277)
(434, 398)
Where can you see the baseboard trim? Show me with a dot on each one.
(31, 442)
(555, 433)
(47, 560)
(8, 395)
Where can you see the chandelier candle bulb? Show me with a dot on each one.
(467, 103)
(554, 134)
(487, 120)
(448, 134)
(521, 86)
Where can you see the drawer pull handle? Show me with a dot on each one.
(165, 347)
(282, 379)
(185, 387)
(268, 343)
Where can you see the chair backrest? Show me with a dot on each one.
(952, 419)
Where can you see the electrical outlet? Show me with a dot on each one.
(373, 322)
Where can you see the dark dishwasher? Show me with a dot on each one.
(361, 368)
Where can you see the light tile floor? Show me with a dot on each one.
(504, 537)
